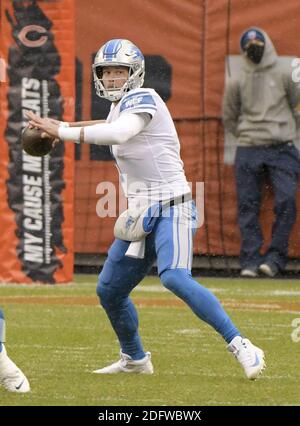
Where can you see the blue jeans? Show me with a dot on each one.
(282, 165)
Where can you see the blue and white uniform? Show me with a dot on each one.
(150, 168)
(147, 152)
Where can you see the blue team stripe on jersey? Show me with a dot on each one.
(111, 49)
(141, 107)
(138, 101)
(130, 95)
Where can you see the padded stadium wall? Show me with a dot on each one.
(36, 193)
(186, 44)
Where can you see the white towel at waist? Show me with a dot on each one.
(136, 249)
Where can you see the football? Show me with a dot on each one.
(33, 143)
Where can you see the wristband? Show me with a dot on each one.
(69, 133)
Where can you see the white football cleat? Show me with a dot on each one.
(127, 365)
(11, 377)
(249, 356)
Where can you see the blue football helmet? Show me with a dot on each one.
(119, 52)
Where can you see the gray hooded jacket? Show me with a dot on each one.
(259, 105)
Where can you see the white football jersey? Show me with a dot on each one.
(149, 164)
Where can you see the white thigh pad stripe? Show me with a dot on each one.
(181, 238)
(190, 247)
(2, 330)
(175, 238)
(183, 242)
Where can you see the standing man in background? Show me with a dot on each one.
(259, 109)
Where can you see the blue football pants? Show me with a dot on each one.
(171, 245)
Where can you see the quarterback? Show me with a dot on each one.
(161, 219)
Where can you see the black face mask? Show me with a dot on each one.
(255, 53)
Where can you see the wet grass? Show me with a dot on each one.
(58, 344)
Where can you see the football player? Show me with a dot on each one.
(146, 148)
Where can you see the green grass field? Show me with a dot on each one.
(59, 334)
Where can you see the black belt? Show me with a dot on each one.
(177, 200)
(289, 142)
(275, 144)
